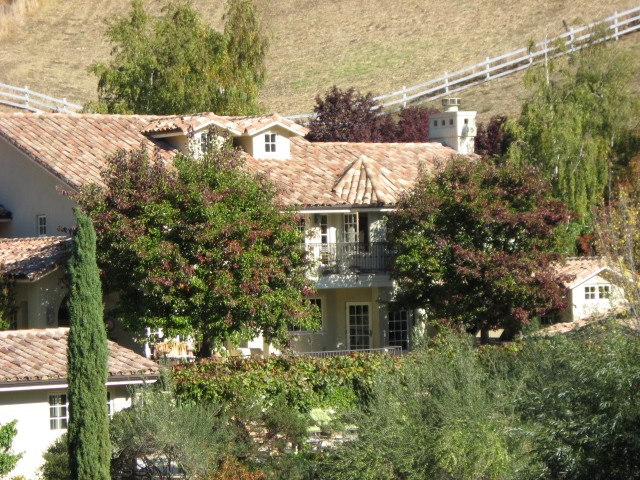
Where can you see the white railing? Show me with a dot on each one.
(396, 351)
(26, 99)
(614, 27)
(610, 28)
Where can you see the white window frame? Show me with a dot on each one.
(597, 292)
(41, 225)
(270, 142)
(295, 330)
(604, 291)
(410, 322)
(58, 411)
(57, 421)
(348, 322)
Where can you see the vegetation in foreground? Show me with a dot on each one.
(562, 407)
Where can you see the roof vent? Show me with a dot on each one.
(451, 104)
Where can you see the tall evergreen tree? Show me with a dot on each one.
(87, 355)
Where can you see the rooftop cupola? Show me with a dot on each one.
(453, 127)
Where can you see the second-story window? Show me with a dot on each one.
(350, 227)
(41, 225)
(270, 142)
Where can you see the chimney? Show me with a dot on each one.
(453, 127)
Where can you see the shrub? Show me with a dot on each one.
(56, 461)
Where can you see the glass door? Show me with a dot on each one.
(359, 326)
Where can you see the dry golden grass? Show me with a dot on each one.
(13, 12)
(373, 45)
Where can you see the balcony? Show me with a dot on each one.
(349, 258)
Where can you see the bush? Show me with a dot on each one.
(443, 415)
(303, 383)
(580, 403)
(56, 461)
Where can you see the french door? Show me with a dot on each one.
(359, 325)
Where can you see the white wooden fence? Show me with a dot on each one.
(26, 99)
(610, 28)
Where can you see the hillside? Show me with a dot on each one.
(376, 46)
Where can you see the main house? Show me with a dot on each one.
(342, 191)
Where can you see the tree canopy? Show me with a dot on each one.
(7, 299)
(475, 243)
(199, 247)
(8, 459)
(576, 122)
(349, 116)
(176, 63)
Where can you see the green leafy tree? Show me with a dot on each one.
(576, 123)
(8, 459)
(475, 245)
(176, 63)
(7, 299)
(87, 356)
(202, 248)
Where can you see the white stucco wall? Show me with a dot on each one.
(38, 302)
(255, 145)
(28, 190)
(31, 409)
(582, 308)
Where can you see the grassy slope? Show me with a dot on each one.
(373, 45)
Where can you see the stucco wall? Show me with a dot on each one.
(31, 409)
(38, 302)
(28, 190)
(333, 335)
(583, 308)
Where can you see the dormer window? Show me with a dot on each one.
(270, 142)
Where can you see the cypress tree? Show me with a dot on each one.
(87, 355)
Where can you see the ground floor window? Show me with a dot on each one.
(59, 411)
(400, 323)
(317, 302)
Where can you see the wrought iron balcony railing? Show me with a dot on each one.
(349, 258)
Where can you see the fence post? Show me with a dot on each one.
(571, 37)
(615, 26)
(64, 105)
(404, 96)
(446, 82)
(26, 96)
(488, 74)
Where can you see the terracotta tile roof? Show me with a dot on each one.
(74, 147)
(41, 354)
(185, 123)
(252, 125)
(349, 174)
(580, 269)
(32, 258)
(5, 214)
